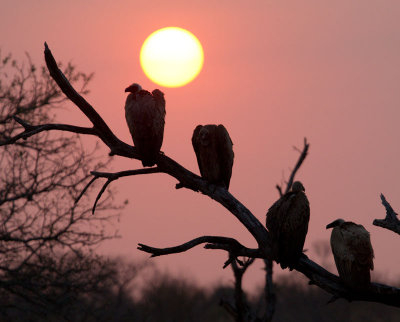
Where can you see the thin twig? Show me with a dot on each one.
(303, 155)
(86, 188)
(31, 130)
(111, 176)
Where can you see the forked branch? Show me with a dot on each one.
(303, 155)
(111, 176)
(30, 130)
(391, 221)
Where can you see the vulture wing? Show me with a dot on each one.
(145, 116)
(197, 147)
(287, 222)
(294, 228)
(225, 154)
(273, 224)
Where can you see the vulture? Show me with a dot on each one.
(213, 147)
(287, 223)
(145, 116)
(353, 253)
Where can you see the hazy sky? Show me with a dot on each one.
(274, 73)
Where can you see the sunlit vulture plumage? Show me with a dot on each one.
(145, 116)
(287, 223)
(213, 147)
(353, 253)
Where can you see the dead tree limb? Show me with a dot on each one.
(269, 291)
(317, 275)
(32, 130)
(114, 176)
(299, 162)
(331, 283)
(228, 244)
(391, 221)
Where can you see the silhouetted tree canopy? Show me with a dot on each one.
(42, 230)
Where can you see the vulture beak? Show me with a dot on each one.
(331, 225)
(335, 223)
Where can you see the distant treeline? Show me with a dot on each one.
(123, 294)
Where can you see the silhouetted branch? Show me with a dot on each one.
(35, 129)
(391, 221)
(318, 275)
(187, 179)
(303, 155)
(102, 129)
(331, 283)
(165, 164)
(278, 187)
(242, 307)
(228, 244)
(269, 291)
(114, 176)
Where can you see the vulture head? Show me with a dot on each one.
(204, 136)
(134, 88)
(335, 223)
(298, 186)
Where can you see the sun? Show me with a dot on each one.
(171, 57)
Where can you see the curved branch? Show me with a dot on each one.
(331, 283)
(213, 242)
(114, 176)
(31, 130)
(391, 221)
(102, 130)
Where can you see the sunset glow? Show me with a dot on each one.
(171, 57)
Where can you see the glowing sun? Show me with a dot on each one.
(171, 57)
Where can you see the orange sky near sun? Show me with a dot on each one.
(274, 73)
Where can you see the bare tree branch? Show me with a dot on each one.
(269, 291)
(114, 176)
(213, 242)
(102, 129)
(331, 283)
(35, 129)
(391, 221)
(317, 275)
(167, 165)
(303, 155)
(278, 187)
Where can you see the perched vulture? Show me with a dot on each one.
(145, 116)
(287, 223)
(353, 253)
(213, 147)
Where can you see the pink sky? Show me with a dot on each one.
(274, 73)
